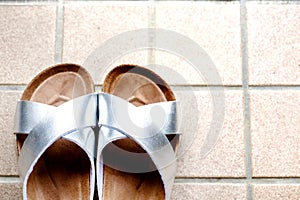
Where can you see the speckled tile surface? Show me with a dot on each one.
(11, 191)
(8, 148)
(275, 129)
(209, 191)
(276, 192)
(88, 28)
(27, 41)
(226, 157)
(217, 34)
(273, 41)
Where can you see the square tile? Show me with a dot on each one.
(27, 41)
(8, 146)
(226, 158)
(11, 191)
(218, 35)
(93, 35)
(275, 129)
(276, 192)
(198, 191)
(273, 44)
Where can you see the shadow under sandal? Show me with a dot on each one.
(56, 145)
(136, 147)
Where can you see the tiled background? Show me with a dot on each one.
(254, 45)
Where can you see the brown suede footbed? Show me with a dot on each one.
(63, 171)
(119, 185)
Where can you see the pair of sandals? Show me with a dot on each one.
(69, 136)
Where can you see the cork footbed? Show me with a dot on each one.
(140, 87)
(63, 171)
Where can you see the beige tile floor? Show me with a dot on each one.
(254, 46)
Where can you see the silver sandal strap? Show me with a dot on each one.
(28, 114)
(112, 110)
(45, 124)
(126, 120)
(118, 113)
(68, 120)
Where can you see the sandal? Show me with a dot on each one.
(137, 142)
(54, 136)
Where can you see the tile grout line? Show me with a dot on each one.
(151, 37)
(10, 179)
(224, 2)
(30, 3)
(239, 180)
(245, 82)
(7, 87)
(191, 180)
(21, 87)
(59, 32)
